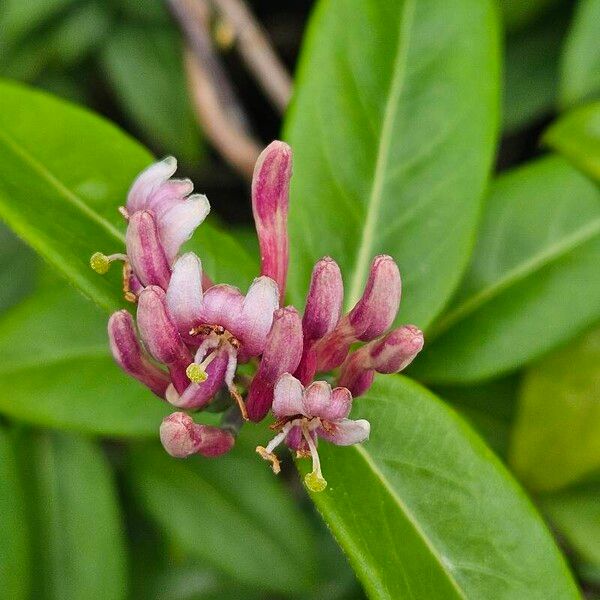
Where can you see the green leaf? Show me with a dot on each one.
(556, 439)
(393, 128)
(580, 67)
(425, 510)
(522, 296)
(516, 13)
(144, 66)
(575, 513)
(531, 72)
(14, 549)
(64, 172)
(56, 370)
(576, 135)
(231, 513)
(79, 551)
(18, 269)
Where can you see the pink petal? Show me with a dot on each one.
(377, 308)
(148, 181)
(184, 294)
(339, 405)
(324, 300)
(145, 251)
(179, 222)
(346, 432)
(167, 195)
(287, 398)
(256, 316)
(129, 355)
(270, 201)
(282, 354)
(316, 398)
(221, 305)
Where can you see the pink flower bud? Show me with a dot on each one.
(145, 250)
(270, 200)
(181, 437)
(390, 354)
(282, 354)
(324, 300)
(377, 308)
(129, 355)
(161, 336)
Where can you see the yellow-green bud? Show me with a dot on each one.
(100, 263)
(195, 373)
(315, 482)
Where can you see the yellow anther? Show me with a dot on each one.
(224, 34)
(315, 482)
(100, 263)
(195, 373)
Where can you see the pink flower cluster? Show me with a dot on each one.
(192, 334)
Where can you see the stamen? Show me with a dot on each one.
(101, 263)
(233, 391)
(124, 212)
(127, 293)
(267, 453)
(314, 481)
(272, 458)
(195, 373)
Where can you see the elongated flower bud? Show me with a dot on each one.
(282, 354)
(145, 250)
(181, 437)
(270, 201)
(377, 308)
(161, 336)
(324, 300)
(129, 355)
(390, 354)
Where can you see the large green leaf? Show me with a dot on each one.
(531, 72)
(425, 510)
(231, 513)
(556, 439)
(63, 173)
(516, 13)
(393, 129)
(144, 66)
(14, 549)
(18, 269)
(79, 550)
(56, 370)
(580, 66)
(539, 244)
(576, 135)
(575, 513)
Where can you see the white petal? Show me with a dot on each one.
(179, 222)
(147, 181)
(347, 432)
(256, 317)
(287, 400)
(316, 399)
(184, 294)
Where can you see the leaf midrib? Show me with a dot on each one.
(371, 464)
(385, 140)
(44, 173)
(537, 262)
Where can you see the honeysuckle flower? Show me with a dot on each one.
(181, 437)
(306, 414)
(225, 326)
(161, 216)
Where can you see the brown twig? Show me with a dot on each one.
(219, 113)
(257, 52)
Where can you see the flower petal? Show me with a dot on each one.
(316, 398)
(129, 355)
(256, 316)
(221, 305)
(180, 221)
(270, 201)
(346, 432)
(339, 405)
(148, 181)
(167, 195)
(287, 397)
(145, 250)
(184, 294)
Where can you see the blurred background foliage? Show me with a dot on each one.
(224, 535)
